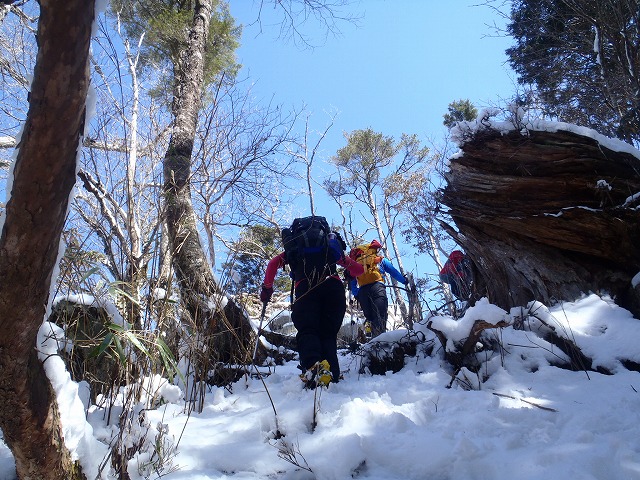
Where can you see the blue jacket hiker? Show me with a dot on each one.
(369, 287)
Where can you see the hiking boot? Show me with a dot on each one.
(323, 375)
(318, 375)
(367, 329)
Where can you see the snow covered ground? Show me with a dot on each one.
(529, 420)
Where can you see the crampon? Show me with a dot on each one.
(319, 375)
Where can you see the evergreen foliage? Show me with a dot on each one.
(583, 59)
(163, 26)
(250, 254)
(365, 154)
(459, 111)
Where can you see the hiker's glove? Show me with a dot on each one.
(407, 278)
(265, 294)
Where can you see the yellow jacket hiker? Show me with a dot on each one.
(369, 288)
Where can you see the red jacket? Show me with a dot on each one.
(453, 264)
(354, 268)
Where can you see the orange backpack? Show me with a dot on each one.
(367, 256)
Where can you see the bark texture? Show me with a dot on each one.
(225, 323)
(546, 215)
(44, 176)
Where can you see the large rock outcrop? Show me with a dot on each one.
(546, 211)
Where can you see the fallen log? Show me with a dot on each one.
(464, 355)
(546, 214)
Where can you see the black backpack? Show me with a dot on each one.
(309, 250)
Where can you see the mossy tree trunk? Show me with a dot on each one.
(223, 325)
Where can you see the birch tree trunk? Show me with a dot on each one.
(137, 264)
(44, 175)
(404, 311)
(373, 208)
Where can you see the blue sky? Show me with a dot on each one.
(395, 72)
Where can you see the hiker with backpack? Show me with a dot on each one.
(312, 252)
(369, 288)
(457, 273)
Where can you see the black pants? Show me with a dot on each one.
(375, 306)
(317, 314)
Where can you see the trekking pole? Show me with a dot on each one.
(411, 298)
(262, 315)
(398, 287)
(353, 335)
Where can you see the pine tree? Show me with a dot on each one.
(583, 59)
(459, 111)
(250, 254)
(161, 24)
